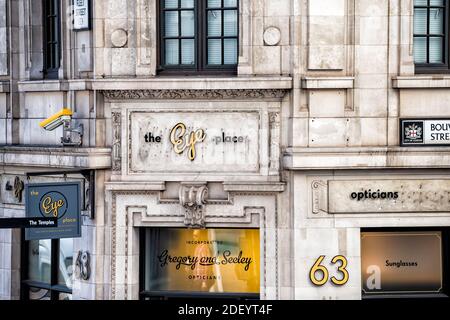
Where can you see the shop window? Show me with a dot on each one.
(403, 263)
(431, 36)
(52, 38)
(192, 263)
(47, 269)
(198, 36)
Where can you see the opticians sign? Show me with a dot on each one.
(418, 132)
(211, 260)
(194, 141)
(54, 200)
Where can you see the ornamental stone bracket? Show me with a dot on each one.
(319, 198)
(192, 197)
(201, 94)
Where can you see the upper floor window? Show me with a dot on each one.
(198, 36)
(52, 38)
(431, 35)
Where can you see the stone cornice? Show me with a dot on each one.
(191, 94)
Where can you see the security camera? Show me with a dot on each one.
(57, 120)
(71, 136)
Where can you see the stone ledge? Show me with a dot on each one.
(135, 186)
(254, 187)
(53, 157)
(54, 85)
(4, 86)
(366, 158)
(194, 83)
(421, 82)
(318, 83)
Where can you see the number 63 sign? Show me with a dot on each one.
(318, 268)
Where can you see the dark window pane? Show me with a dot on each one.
(171, 26)
(170, 4)
(187, 3)
(187, 24)
(420, 50)
(230, 51)
(214, 51)
(435, 2)
(229, 3)
(436, 50)
(214, 3)
(420, 2)
(39, 260)
(420, 21)
(230, 23)
(65, 272)
(215, 23)
(172, 52)
(188, 51)
(436, 21)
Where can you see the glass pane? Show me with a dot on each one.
(187, 23)
(420, 50)
(39, 294)
(230, 3)
(214, 3)
(64, 296)
(171, 4)
(214, 51)
(230, 23)
(436, 2)
(214, 23)
(230, 51)
(65, 272)
(436, 21)
(187, 51)
(187, 3)
(39, 267)
(420, 2)
(436, 50)
(420, 21)
(171, 25)
(172, 51)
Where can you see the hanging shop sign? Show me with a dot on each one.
(190, 141)
(382, 196)
(203, 260)
(81, 15)
(424, 132)
(401, 262)
(54, 200)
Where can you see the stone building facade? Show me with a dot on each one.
(308, 120)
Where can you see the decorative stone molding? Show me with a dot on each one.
(117, 128)
(119, 38)
(195, 94)
(319, 197)
(193, 199)
(274, 126)
(272, 36)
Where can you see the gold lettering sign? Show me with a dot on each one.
(51, 206)
(182, 141)
(207, 260)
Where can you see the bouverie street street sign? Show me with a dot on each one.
(13, 223)
(54, 200)
(424, 132)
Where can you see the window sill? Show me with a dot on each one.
(194, 83)
(4, 86)
(318, 83)
(421, 82)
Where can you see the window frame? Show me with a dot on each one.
(51, 72)
(435, 67)
(54, 288)
(201, 66)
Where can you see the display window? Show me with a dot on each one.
(200, 263)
